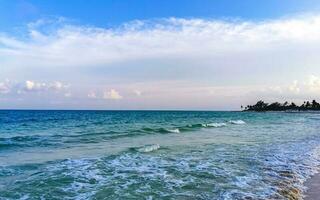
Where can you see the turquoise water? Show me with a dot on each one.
(156, 155)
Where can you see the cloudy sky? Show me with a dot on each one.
(148, 54)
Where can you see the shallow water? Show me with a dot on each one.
(156, 155)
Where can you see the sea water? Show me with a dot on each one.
(156, 154)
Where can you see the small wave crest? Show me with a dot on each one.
(186, 128)
(148, 148)
(208, 125)
(176, 130)
(214, 125)
(161, 130)
(237, 122)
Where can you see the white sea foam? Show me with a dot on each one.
(237, 122)
(216, 125)
(174, 130)
(148, 148)
(91, 176)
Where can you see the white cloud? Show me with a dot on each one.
(30, 86)
(294, 87)
(34, 86)
(313, 83)
(112, 94)
(41, 86)
(310, 86)
(137, 92)
(231, 58)
(307, 89)
(92, 95)
(83, 46)
(57, 85)
(4, 87)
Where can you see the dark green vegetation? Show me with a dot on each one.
(261, 106)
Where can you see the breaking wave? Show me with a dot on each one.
(215, 125)
(237, 122)
(94, 137)
(148, 148)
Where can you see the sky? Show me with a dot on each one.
(148, 54)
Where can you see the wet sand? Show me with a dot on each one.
(313, 185)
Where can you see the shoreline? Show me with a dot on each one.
(313, 188)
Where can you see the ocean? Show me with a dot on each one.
(157, 154)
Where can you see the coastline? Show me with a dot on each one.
(313, 188)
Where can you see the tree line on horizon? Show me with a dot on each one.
(276, 106)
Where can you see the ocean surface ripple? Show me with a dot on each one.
(156, 154)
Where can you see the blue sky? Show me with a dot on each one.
(166, 54)
(105, 13)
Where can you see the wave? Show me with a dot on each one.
(215, 125)
(237, 122)
(27, 141)
(176, 130)
(190, 127)
(96, 137)
(148, 148)
(19, 141)
(161, 130)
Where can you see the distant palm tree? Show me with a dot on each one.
(276, 106)
(308, 104)
(315, 104)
